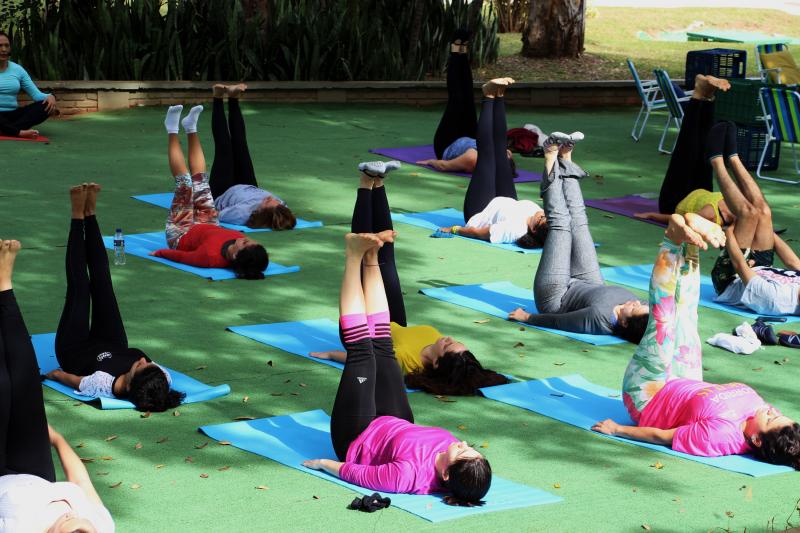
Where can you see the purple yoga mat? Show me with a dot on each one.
(412, 154)
(627, 206)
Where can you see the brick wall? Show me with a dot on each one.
(81, 96)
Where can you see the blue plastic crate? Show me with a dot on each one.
(719, 62)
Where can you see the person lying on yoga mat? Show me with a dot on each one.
(569, 290)
(237, 197)
(491, 209)
(193, 232)
(95, 357)
(17, 121)
(430, 361)
(372, 427)
(688, 182)
(30, 497)
(455, 142)
(663, 387)
(744, 273)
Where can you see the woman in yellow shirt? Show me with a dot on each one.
(430, 361)
(709, 205)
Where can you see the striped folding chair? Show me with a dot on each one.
(768, 49)
(649, 93)
(673, 104)
(781, 107)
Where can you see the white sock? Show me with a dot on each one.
(745, 330)
(172, 122)
(732, 343)
(190, 121)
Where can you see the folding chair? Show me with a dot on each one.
(781, 108)
(673, 104)
(768, 49)
(649, 93)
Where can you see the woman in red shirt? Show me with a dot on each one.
(193, 232)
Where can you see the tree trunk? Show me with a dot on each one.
(416, 29)
(555, 28)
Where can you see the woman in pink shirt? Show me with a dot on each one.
(663, 387)
(372, 427)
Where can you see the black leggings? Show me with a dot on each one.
(24, 441)
(232, 164)
(492, 176)
(359, 401)
(688, 168)
(22, 118)
(76, 341)
(371, 215)
(459, 119)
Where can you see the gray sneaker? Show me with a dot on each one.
(378, 169)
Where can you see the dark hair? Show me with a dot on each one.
(633, 330)
(457, 374)
(780, 446)
(535, 238)
(278, 217)
(250, 262)
(150, 391)
(468, 481)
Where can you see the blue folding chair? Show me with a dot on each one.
(768, 49)
(649, 93)
(673, 104)
(781, 107)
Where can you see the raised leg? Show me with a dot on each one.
(244, 173)
(482, 188)
(583, 263)
(504, 177)
(382, 221)
(459, 118)
(204, 210)
(222, 169)
(181, 213)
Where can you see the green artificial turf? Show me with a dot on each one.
(152, 475)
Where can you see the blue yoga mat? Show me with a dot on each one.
(141, 244)
(638, 277)
(164, 199)
(44, 345)
(575, 401)
(433, 220)
(291, 439)
(499, 299)
(298, 338)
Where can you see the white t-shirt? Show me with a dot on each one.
(774, 291)
(506, 218)
(30, 503)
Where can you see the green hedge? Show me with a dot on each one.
(238, 40)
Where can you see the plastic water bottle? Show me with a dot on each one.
(119, 248)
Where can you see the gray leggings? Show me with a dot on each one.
(569, 252)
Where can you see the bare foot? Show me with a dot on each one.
(8, 253)
(705, 86)
(235, 91)
(358, 244)
(387, 235)
(709, 231)
(219, 90)
(28, 134)
(491, 87)
(77, 196)
(92, 190)
(679, 232)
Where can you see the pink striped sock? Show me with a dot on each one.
(354, 327)
(379, 327)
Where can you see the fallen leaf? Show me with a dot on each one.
(635, 489)
(107, 458)
(201, 367)
(444, 399)
(188, 459)
(204, 475)
(145, 415)
(315, 497)
(521, 328)
(759, 369)
(609, 216)
(484, 445)
(136, 486)
(645, 527)
(81, 445)
(706, 369)
(269, 363)
(262, 487)
(729, 514)
(302, 384)
(137, 446)
(101, 473)
(676, 499)
(556, 485)
(87, 460)
(482, 321)
(223, 468)
(115, 485)
(294, 394)
(200, 446)
(288, 381)
(224, 443)
(110, 438)
(162, 440)
(176, 413)
(778, 362)
(519, 345)
(462, 427)
(77, 404)
(657, 466)
(159, 467)
(246, 399)
(748, 494)
(245, 418)
(559, 364)
(585, 351)
(276, 394)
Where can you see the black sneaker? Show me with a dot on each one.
(765, 333)
(789, 339)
